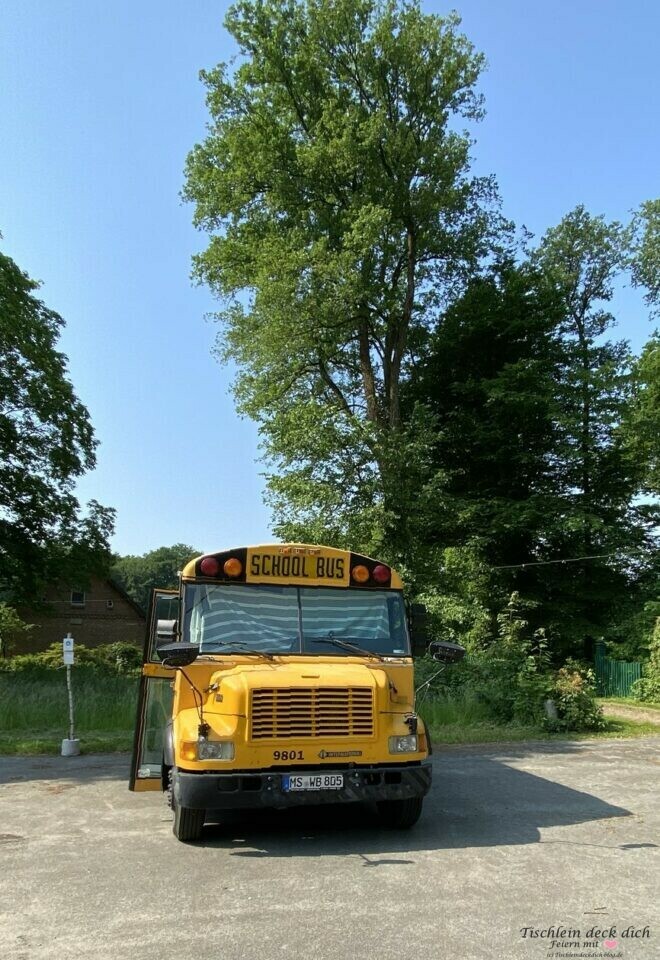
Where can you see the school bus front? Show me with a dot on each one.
(287, 679)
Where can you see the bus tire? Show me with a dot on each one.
(188, 824)
(400, 814)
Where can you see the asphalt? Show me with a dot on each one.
(512, 837)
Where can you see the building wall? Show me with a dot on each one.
(94, 624)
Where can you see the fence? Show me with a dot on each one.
(614, 678)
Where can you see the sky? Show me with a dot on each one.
(100, 104)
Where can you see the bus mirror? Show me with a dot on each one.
(445, 652)
(165, 631)
(177, 654)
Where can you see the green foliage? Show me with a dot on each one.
(12, 628)
(509, 681)
(527, 398)
(139, 575)
(574, 694)
(110, 658)
(426, 391)
(641, 427)
(648, 687)
(646, 251)
(342, 212)
(46, 442)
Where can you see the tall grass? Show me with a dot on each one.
(459, 708)
(36, 702)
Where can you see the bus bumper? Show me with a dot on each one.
(264, 788)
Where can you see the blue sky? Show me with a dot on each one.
(100, 103)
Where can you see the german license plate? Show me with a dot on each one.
(313, 781)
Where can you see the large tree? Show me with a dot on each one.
(642, 427)
(46, 442)
(335, 183)
(592, 474)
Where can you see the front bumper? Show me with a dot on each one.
(249, 789)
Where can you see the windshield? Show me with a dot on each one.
(294, 619)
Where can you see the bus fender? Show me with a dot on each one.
(168, 745)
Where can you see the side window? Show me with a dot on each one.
(77, 598)
(396, 612)
(163, 621)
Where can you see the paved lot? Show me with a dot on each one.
(528, 835)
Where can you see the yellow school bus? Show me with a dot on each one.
(280, 675)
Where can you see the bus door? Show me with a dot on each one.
(154, 706)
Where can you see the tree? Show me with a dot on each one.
(592, 474)
(642, 421)
(336, 186)
(645, 260)
(488, 381)
(139, 575)
(642, 427)
(46, 442)
(12, 628)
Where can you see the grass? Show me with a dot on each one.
(34, 711)
(466, 720)
(44, 741)
(34, 716)
(629, 702)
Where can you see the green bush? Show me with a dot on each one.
(112, 658)
(648, 687)
(509, 681)
(574, 695)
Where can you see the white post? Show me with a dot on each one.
(70, 691)
(71, 746)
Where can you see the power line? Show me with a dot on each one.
(545, 563)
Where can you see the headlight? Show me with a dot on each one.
(215, 750)
(407, 744)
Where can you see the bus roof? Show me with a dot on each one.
(295, 564)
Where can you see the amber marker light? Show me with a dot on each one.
(188, 749)
(360, 573)
(233, 567)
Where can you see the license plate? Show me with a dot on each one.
(315, 781)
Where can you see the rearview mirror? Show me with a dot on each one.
(177, 654)
(445, 652)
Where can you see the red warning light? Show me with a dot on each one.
(209, 567)
(381, 573)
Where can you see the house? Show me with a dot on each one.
(100, 614)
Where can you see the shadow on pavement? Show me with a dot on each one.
(478, 801)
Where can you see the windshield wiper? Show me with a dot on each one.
(353, 647)
(246, 649)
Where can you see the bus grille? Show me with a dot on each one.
(281, 712)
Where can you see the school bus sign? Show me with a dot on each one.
(306, 565)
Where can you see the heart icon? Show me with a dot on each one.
(610, 944)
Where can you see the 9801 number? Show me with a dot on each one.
(287, 755)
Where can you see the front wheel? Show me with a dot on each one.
(188, 823)
(400, 814)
